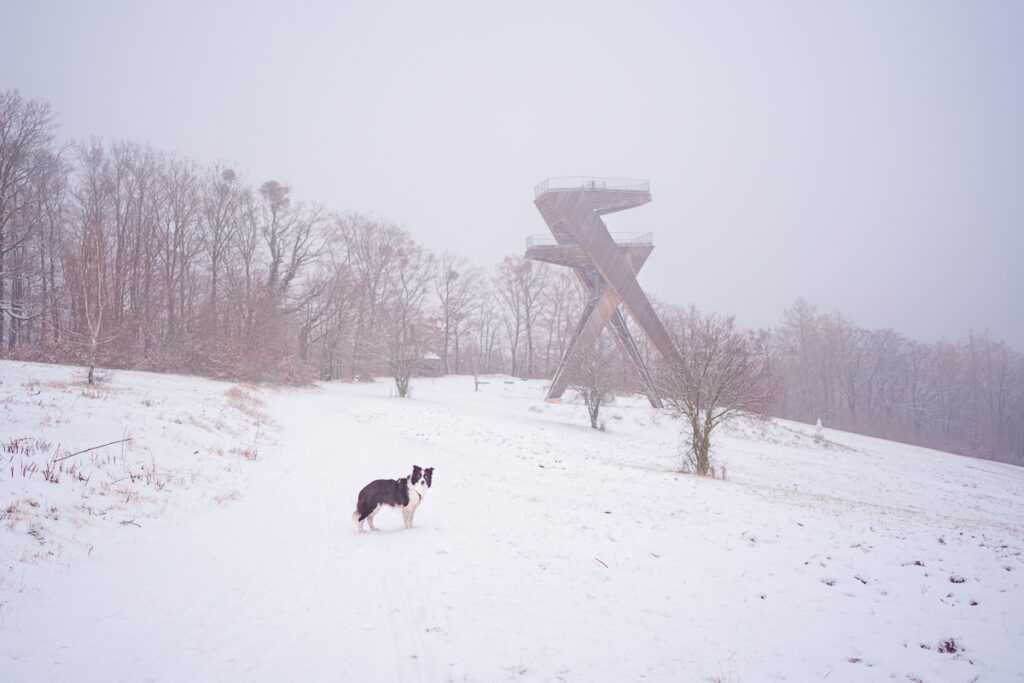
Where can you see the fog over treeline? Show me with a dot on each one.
(119, 255)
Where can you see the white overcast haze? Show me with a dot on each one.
(867, 156)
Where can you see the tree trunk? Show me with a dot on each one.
(93, 343)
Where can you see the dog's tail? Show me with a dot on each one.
(356, 517)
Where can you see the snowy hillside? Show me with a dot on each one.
(213, 541)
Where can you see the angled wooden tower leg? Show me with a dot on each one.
(572, 208)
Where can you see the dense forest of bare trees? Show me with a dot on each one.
(121, 255)
(116, 255)
(966, 396)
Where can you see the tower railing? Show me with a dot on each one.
(625, 239)
(585, 183)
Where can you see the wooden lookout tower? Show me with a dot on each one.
(606, 265)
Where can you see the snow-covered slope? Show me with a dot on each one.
(217, 544)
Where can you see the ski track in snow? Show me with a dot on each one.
(544, 551)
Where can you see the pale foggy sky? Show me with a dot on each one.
(867, 156)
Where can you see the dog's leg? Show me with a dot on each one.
(410, 512)
(369, 518)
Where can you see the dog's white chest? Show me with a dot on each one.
(416, 493)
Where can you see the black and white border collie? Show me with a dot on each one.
(406, 493)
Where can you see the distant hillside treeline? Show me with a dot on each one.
(965, 396)
(121, 255)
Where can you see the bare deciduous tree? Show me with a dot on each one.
(718, 374)
(330, 314)
(26, 135)
(87, 258)
(177, 243)
(487, 320)
(565, 299)
(52, 188)
(408, 281)
(510, 293)
(223, 205)
(455, 285)
(521, 284)
(370, 248)
(291, 234)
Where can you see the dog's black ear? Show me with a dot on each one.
(416, 470)
(428, 475)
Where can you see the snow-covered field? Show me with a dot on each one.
(214, 541)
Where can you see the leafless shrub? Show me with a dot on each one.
(592, 376)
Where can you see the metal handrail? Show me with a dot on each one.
(622, 239)
(590, 183)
